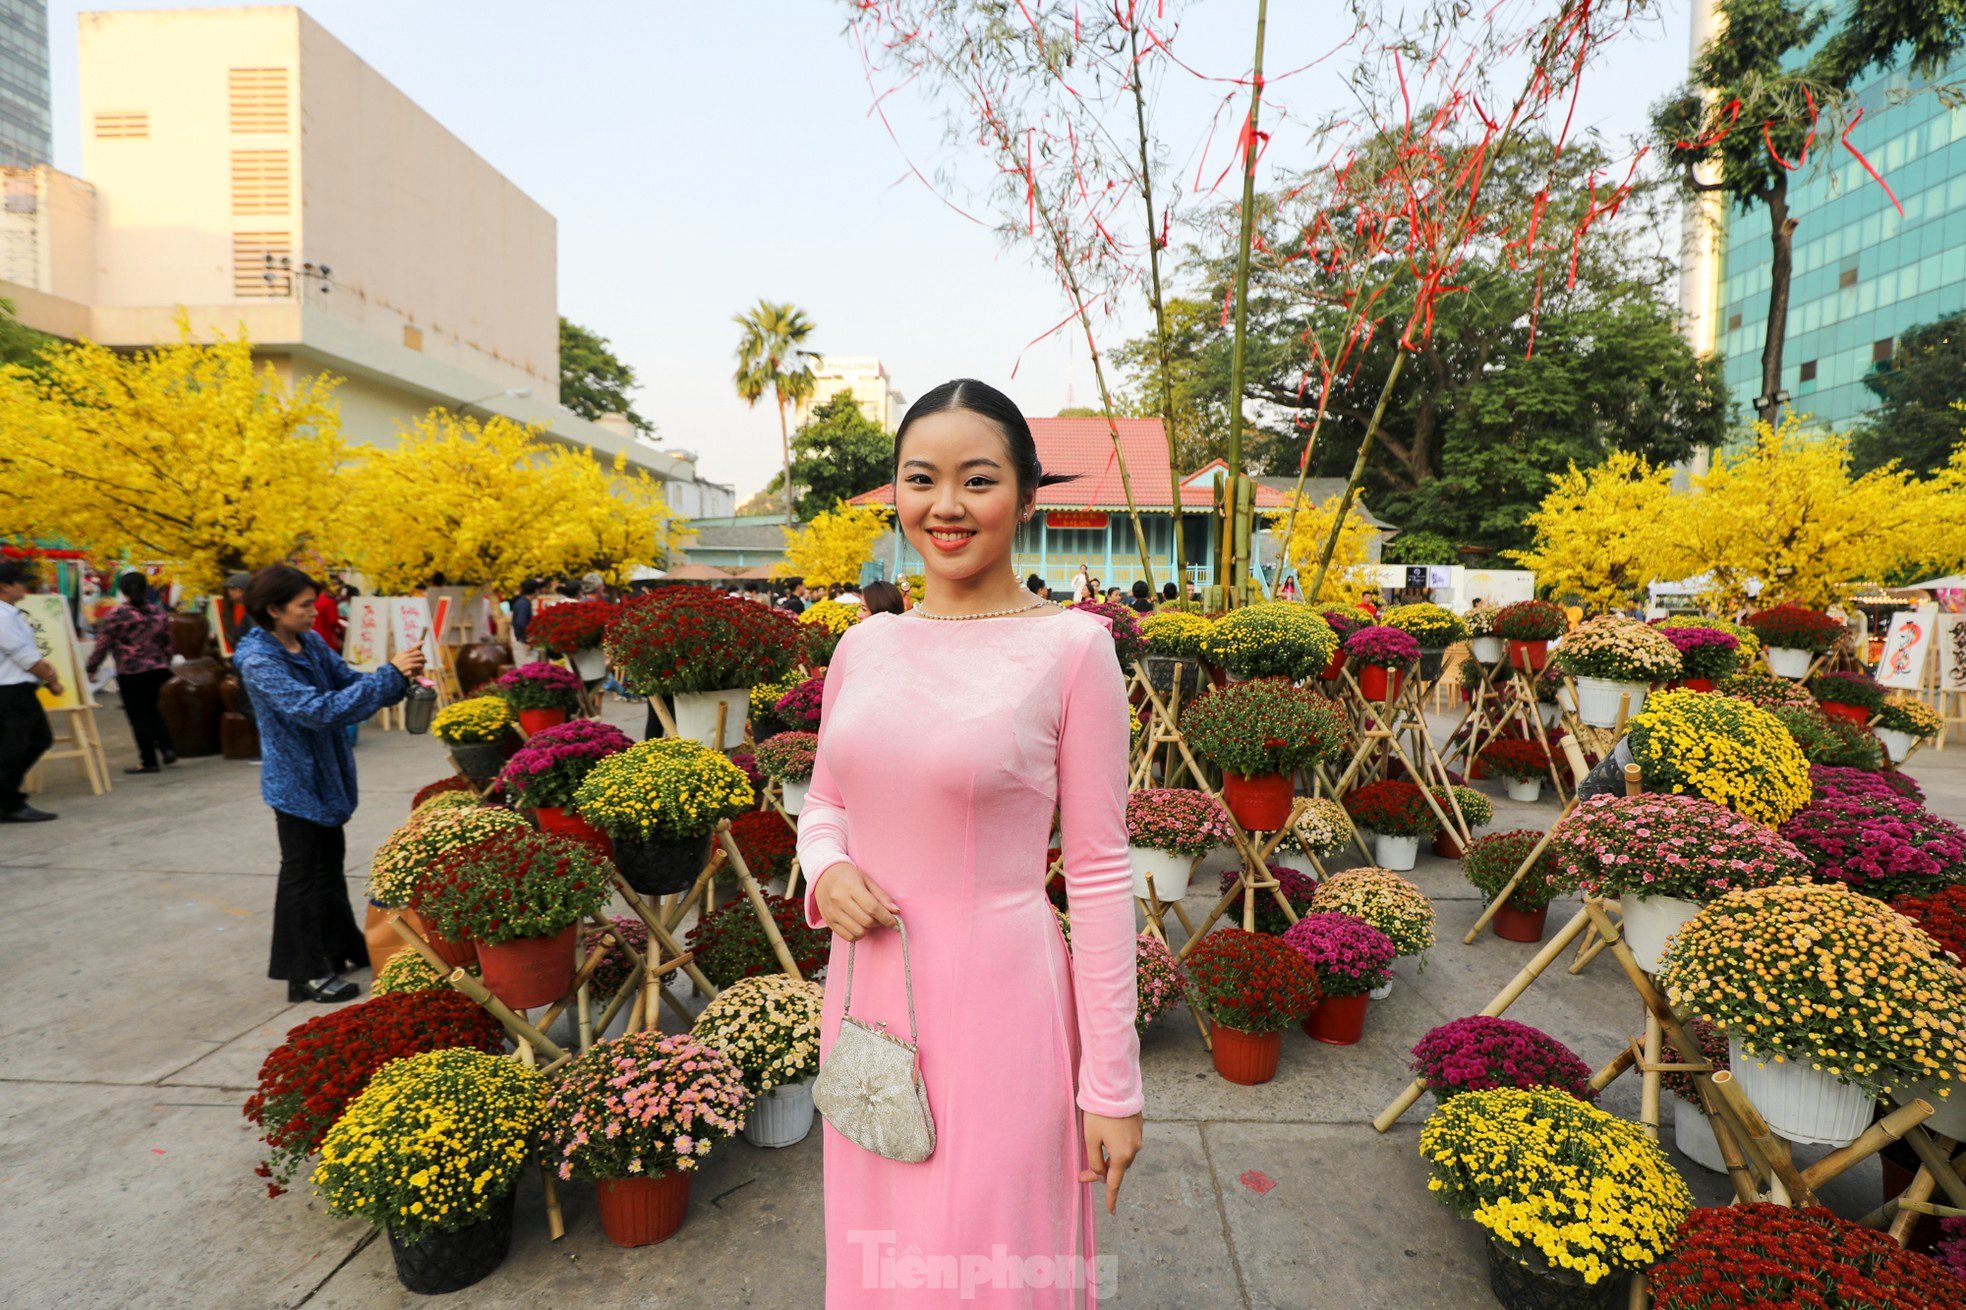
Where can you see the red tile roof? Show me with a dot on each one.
(1083, 445)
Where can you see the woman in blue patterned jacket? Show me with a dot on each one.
(306, 694)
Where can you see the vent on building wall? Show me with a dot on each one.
(257, 254)
(413, 337)
(262, 182)
(258, 99)
(126, 124)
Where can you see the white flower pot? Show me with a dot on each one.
(696, 715)
(1598, 700)
(1487, 650)
(1396, 853)
(781, 1116)
(792, 795)
(1551, 714)
(1896, 744)
(1789, 661)
(1170, 872)
(1649, 920)
(1692, 1133)
(1525, 789)
(1382, 991)
(1801, 1103)
(590, 664)
(1295, 859)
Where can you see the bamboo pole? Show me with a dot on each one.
(1747, 1184)
(1648, 1096)
(514, 1023)
(1772, 1149)
(1892, 1127)
(1227, 572)
(757, 899)
(1938, 1162)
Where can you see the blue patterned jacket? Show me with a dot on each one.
(303, 702)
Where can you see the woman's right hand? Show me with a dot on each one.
(851, 903)
(410, 662)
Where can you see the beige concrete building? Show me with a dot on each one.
(248, 170)
(866, 377)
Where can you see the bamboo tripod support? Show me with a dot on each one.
(1513, 702)
(1381, 725)
(1574, 757)
(1253, 879)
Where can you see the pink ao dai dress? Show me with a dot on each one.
(943, 747)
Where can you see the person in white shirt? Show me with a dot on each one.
(24, 730)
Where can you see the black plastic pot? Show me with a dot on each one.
(1430, 662)
(449, 1262)
(1521, 1286)
(1160, 675)
(479, 761)
(661, 868)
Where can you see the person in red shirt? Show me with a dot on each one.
(327, 619)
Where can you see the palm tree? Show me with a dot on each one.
(770, 358)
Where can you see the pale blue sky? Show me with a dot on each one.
(699, 157)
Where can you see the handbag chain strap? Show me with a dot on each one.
(907, 974)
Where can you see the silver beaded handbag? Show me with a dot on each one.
(870, 1083)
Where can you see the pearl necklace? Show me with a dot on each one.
(992, 614)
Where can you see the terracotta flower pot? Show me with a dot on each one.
(1246, 1058)
(1529, 656)
(1513, 925)
(568, 823)
(537, 721)
(1447, 845)
(529, 971)
(1333, 667)
(1839, 710)
(1692, 684)
(1260, 803)
(1338, 1020)
(1378, 682)
(1217, 674)
(457, 954)
(642, 1211)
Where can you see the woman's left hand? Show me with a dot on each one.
(1110, 1146)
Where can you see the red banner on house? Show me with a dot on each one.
(1075, 518)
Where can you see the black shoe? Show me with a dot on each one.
(143, 768)
(170, 757)
(330, 990)
(25, 814)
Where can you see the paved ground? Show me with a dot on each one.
(134, 934)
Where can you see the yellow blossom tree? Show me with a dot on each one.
(494, 503)
(1785, 512)
(184, 454)
(1601, 532)
(1351, 575)
(834, 545)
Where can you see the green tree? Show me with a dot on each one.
(837, 453)
(19, 343)
(1922, 401)
(1421, 547)
(1479, 421)
(1767, 91)
(771, 357)
(593, 380)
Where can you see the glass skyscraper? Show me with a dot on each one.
(25, 107)
(1864, 275)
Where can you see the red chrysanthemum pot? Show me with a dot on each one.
(1334, 666)
(1217, 674)
(456, 954)
(1378, 682)
(1246, 1058)
(1839, 710)
(642, 1211)
(1260, 803)
(1513, 925)
(529, 971)
(535, 722)
(1448, 846)
(1338, 1020)
(568, 823)
(1530, 656)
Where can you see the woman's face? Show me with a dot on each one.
(294, 617)
(956, 494)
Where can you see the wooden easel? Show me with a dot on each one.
(81, 742)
